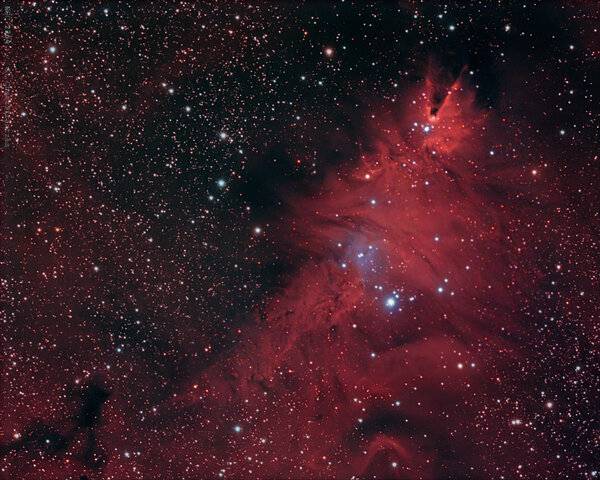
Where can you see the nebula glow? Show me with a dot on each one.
(256, 242)
(325, 360)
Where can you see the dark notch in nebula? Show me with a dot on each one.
(58, 437)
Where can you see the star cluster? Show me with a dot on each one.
(300, 240)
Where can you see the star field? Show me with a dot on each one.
(300, 240)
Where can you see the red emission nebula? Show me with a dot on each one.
(402, 321)
(409, 290)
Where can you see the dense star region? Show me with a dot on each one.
(300, 240)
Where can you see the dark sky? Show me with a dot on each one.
(300, 240)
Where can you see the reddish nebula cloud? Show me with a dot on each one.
(274, 251)
(385, 348)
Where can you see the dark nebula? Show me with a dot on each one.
(300, 240)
